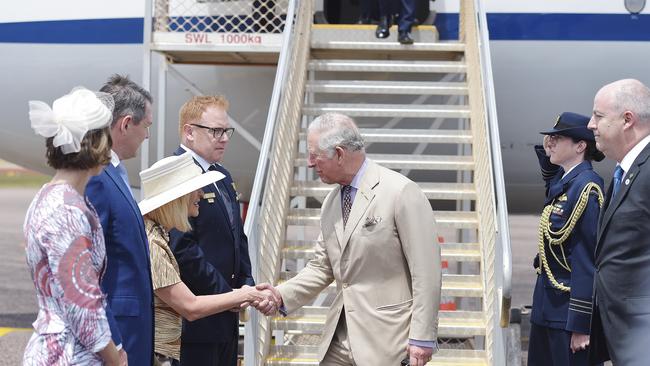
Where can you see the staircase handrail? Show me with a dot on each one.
(265, 225)
(503, 229)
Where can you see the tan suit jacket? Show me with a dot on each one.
(386, 263)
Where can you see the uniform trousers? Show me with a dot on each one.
(339, 352)
(552, 347)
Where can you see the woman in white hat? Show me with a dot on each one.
(172, 190)
(64, 239)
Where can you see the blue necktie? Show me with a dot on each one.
(223, 192)
(125, 176)
(618, 176)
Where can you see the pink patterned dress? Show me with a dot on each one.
(66, 257)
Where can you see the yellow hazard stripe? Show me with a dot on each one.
(5, 331)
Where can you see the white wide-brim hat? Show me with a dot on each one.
(171, 178)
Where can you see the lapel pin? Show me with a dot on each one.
(627, 181)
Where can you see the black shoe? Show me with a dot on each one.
(383, 27)
(404, 37)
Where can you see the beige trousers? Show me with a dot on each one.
(339, 353)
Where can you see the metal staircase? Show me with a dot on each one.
(421, 110)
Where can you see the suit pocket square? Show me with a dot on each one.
(371, 221)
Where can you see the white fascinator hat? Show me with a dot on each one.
(71, 116)
(171, 178)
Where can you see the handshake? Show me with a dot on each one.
(263, 297)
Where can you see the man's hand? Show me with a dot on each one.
(124, 360)
(579, 342)
(272, 301)
(419, 356)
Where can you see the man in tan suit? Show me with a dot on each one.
(378, 243)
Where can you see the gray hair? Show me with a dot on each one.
(632, 95)
(130, 98)
(336, 129)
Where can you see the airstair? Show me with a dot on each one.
(424, 110)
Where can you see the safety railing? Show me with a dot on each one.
(247, 23)
(488, 211)
(503, 229)
(267, 222)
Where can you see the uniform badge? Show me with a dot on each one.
(558, 208)
(557, 121)
(209, 196)
(563, 198)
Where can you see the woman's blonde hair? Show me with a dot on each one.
(173, 215)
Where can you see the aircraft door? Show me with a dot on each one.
(348, 11)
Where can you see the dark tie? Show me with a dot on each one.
(223, 192)
(347, 203)
(618, 176)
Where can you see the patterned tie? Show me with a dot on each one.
(618, 176)
(347, 203)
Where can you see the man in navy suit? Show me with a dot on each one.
(127, 282)
(213, 258)
(621, 317)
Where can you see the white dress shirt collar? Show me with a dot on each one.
(629, 158)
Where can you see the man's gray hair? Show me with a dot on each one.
(336, 129)
(130, 98)
(632, 95)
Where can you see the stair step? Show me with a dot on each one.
(414, 162)
(405, 66)
(388, 110)
(386, 87)
(433, 191)
(451, 324)
(292, 355)
(444, 219)
(453, 285)
(427, 136)
(459, 252)
(388, 46)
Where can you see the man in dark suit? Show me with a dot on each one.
(127, 282)
(404, 24)
(621, 317)
(213, 258)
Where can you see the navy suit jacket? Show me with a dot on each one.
(553, 308)
(127, 282)
(213, 258)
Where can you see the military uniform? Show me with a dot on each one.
(562, 300)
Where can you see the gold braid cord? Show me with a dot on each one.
(557, 238)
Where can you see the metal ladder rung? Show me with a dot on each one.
(386, 87)
(389, 46)
(445, 67)
(388, 110)
(414, 162)
(459, 252)
(452, 285)
(433, 191)
(413, 136)
(446, 219)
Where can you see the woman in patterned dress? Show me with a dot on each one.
(64, 241)
(172, 190)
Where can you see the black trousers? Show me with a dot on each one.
(552, 347)
(210, 354)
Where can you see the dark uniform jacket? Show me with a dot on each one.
(213, 259)
(552, 307)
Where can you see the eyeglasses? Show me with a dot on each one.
(218, 132)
